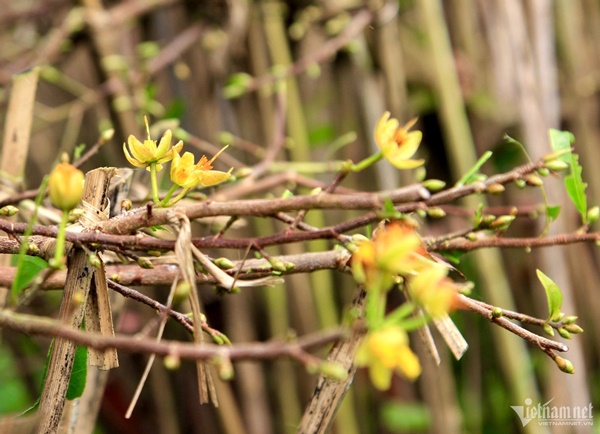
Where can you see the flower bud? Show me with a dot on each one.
(557, 165)
(502, 222)
(277, 264)
(172, 362)
(65, 186)
(564, 333)
(8, 210)
(436, 212)
(593, 214)
(534, 180)
(495, 189)
(497, 312)
(564, 365)
(94, 260)
(144, 263)
(573, 328)
(544, 171)
(570, 320)
(433, 185)
(223, 263)
(32, 249)
(548, 329)
(520, 183)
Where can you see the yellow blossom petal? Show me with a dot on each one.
(213, 177)
(183, 170)
(131, 160)
(398, 145)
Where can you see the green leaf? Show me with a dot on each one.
(552, 212)
(29, 268)
(77, 380)
(473, 175)
(561, 141)
(453, 256)
(78, 374)
(553, 294)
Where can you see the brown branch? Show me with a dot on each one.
(42, 326)
(543, 343)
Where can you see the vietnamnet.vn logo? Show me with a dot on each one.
(547, 414)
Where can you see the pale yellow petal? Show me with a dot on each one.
(139, 150)
(213, 177)
(131, 160)
(163, 145)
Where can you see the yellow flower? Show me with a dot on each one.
(186, 174)
(65, 186)
(396, 249)
(147, 153)
(433, 290)
(386, 351)
(398, 145)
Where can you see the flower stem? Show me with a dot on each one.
(154, 183)
(165, 201)
(369, 161)
(178, 197)
(60, 242)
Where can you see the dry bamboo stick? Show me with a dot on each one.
(79, 280)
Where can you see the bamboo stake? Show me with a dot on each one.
(329, 394)
(80, 276)
(16, 141)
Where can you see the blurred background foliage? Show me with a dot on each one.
(471, 70)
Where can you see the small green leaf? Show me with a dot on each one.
(453, 256)
(78, 151)
(552, 212)
(28, 269)
(562, 141)
(78, 374)
(553, 294)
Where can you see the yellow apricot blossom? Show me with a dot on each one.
(149, 153)
(386, 351)
(186, 174)
(433, 290)
(397, 144)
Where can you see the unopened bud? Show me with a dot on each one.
(65, 186)
(564, 333)
(8, 210)
(223, 263)
(559, 317)
(534, 180)
(593, 214)
(548, 329)
(564, 365)
(436, 213)
(94, 260)
(433, 185)
(569, 320)
(172, 362)
(502, 222)
(520, 183)
(107, 135)
(557, 165)
(144, 263)
(497, 312)
(277, 264)
(555, 155)
(225, 367)
(115, 278)
(495, 189)
(573, 328)
(126, 204)
(182, 292)
(32, 249)
(544, 171)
